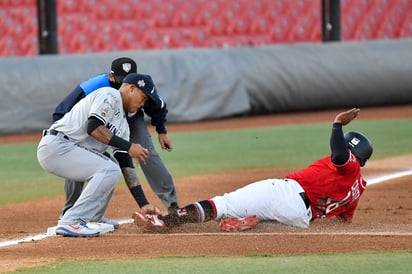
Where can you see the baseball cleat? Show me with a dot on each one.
(154, 220)
(238, 224)
(77, 230)
(141, 218)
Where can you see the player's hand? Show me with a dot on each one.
(346, 117)
(138, 152)
(150, 209)
(165, 142)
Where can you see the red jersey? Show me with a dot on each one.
(332, 190)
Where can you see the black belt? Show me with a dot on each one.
(305, 199)
(54, 132)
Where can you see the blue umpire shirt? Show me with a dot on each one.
(156, 110)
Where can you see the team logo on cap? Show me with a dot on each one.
(141, 83)
(354, 142)
(126, 67)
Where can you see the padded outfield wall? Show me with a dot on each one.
(200, 84)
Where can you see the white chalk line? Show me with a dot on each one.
(371, 181)
(387, 177)
(246, 234)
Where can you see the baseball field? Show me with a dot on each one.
(210, 158)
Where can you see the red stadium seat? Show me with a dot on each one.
(392, 23)
(203, 18)
(163, 19)
(306, 29)
(406, 28)
(240, 26)
(219, 26)
(76, 44)
(259, 25)
(74, 7)
(183, 19)
(69, 25)
(18, 3)
(282, 29)
(196, 37)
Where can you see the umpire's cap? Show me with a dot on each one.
(144, 83)
(121, 67)
(360, 146)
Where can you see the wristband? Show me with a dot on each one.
(121, 143)
(139, 196)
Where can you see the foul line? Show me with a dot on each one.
(389, 177)
(286, 233)
(370, 182)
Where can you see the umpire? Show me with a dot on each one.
(155, 171)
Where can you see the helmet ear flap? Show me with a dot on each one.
(360, 146)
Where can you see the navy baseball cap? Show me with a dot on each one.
(122, 67)
(144, 83)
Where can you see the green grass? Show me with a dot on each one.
(360, 262)
(21, 177)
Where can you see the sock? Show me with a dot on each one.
(198, 212)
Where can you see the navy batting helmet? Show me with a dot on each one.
(360, 146)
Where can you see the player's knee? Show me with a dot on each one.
(113, 170)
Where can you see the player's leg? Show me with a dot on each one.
(79, 164)
(95, 197)
(269, 200)
(253, 199)
(155, 171)
(198, 212)
(73, 189)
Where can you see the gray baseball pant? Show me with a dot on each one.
(155, 171)
(64, 158)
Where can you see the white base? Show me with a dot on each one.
(103, 228)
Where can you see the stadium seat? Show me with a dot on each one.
(240, 26)
(363, 32)
(203, 18)
(162, 19)
(69, 25)
(282, 29)
(392, 23)
(259, 25)
(406, 28)
(194, 37)
(76, 44)
(221, 42)
(219, 26)
(18, 3)
(28, 46)
(306, 29)
(6, 46)
(183, 18)
(73, 6)
(154, 40)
